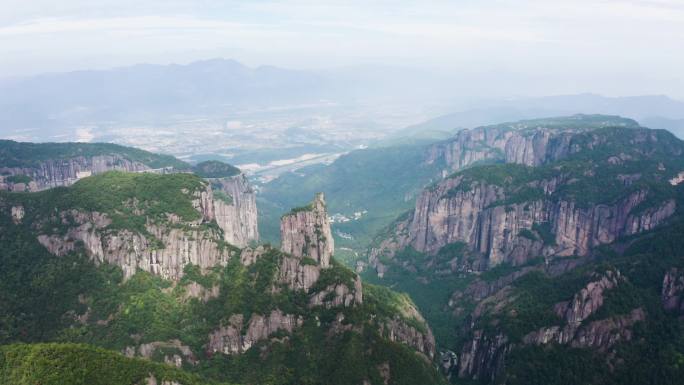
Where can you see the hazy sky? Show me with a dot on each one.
(578, 42)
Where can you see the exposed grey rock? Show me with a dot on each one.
(605, 333)
(64, 172)
(231, 340)
(164, 252)
(195, 290)
(448, 363)
(494, 231)
(477, 216)
(532, 146)
(587, 300)
(248, 256)
(483, 356)
(306, 232)
(600, 334)
(673, 290)
(147, 350)
(238, 216)
(339, 295)
(297, 275)
(398, 330)
(17, 214)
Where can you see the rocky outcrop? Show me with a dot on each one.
(448, 363)
(672, 293)
(164, 249)
(230, 339)
(600, 334)
(678, 179)
(587, 300)
(306, 231)
(17, 214)
(339, 295)
(298, 275)
(605, 333)
(64, 172)
(235, 209)
(195, 290)
(175, 353)
(483, 356)
(398, 330)
(514, 232)
(249, 256)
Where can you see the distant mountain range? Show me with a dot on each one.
(148, 90)
(151, 93)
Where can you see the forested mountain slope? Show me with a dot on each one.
(137, 263)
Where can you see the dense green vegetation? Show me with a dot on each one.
(19, 179)
(129, 199)
(655, 355)
(45, 298)
(23, 154)
(147, 307)
(69, 299)
(533, 298)
(429, 290)
(579, 121)
(74, 364)
(215, 169)
(310, 356)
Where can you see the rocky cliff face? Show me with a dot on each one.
(535, 203)
(514, 233)
(531, 143)
(235, 209)
(306, 232)
(306, 238)
(163, 249)
(339, 295)
(672, 293)
(600, 334)
(482, 356)
(54, 173)
(399, 331)
(484, 352)
(234, 339)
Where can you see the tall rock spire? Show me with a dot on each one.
(305, 231)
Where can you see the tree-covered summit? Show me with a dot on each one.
(215, 169)
(26, 154)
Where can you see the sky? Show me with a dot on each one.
(616, 46)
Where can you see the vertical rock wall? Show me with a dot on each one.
(235, 210)
(54, 173)
(306, 232)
